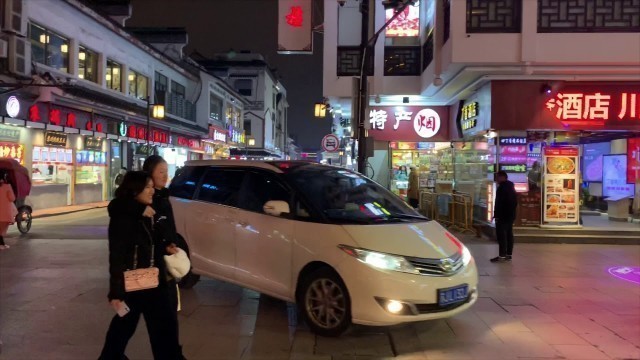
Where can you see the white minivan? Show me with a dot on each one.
(342, 247)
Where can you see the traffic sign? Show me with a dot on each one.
(330, 143)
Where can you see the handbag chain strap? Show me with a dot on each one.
(135, 254)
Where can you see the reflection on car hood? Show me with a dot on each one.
(423, 240)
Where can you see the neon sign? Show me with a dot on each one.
(579, 108)
(295, 17)
(469, 114)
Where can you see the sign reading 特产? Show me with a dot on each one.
(408, 123)
(469, 115)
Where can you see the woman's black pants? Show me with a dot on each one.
(159, 315)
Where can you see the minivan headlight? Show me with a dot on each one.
(380, 260)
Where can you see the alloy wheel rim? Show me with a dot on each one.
(325, 303)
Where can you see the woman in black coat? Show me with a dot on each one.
(133, 235)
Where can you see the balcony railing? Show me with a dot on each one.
(349, 61)
(402, 60)
(494, 16)
(605, 16)
(179, 106)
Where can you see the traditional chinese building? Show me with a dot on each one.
(516, 77)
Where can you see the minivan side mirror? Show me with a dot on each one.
(276, 208)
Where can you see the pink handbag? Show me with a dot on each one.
(141, 279)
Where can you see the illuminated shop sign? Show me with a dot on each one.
(407, 123)
(406, 24)
(92, 143)
(61, 116)
(13, 151)
(513, 140)
(235, 135)
(189, 143)
(469, 115)
(140, 132)
(594, 108)
(55, 139)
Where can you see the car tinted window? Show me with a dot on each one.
(221, 186)
(185, 181)
(261, 188)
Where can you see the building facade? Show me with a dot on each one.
(78, 92)
(459, 89)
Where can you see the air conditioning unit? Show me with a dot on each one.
(13, 20)
(19, 56)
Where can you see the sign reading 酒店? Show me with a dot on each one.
(570, 106)
(409, 123)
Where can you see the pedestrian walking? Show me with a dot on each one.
(504, 213)
(134, 244)
(414, 188)
(158, 169)
(8, 210)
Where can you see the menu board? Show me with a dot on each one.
(633, 160)
(561, 195)
(614, 181)
(528, 213)
(592, 160)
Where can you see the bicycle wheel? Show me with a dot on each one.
(24, 220)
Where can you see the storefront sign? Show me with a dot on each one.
(513, 140)
(235, 136)
(63, 116)
(193, 144)
(561, 190)
(513, 168)
(513, 150)
(216, 134)
(521, 105)
(123, 130)
(13, 151)
(92, 143)
(144, 149)
(55, 139)
(13, 106)
(469, 115)
(9, 133)
(408, 123)
(633, 160)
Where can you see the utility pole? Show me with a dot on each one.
(369, 44)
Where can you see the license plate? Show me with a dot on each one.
(452, 295)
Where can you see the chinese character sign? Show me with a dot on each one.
(594, 108)
(13, 151)
(561, 195)
(633, 160)
(294, 26)
(408, 123)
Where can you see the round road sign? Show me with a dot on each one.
(330, 143)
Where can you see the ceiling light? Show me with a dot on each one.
(82, 55)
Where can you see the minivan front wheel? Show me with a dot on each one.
(326, 306)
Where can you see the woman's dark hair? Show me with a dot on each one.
(152, 162)
(132, 185)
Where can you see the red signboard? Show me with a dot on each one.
(409, 123)
(561, 151)
(633, 160)
(63, 116)
(523, 105)
(194, 144)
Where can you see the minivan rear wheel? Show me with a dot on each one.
(325, 303)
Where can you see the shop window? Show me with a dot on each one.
(244, 86)
(161, 86)
(215, 108)
(138, 85)
(114, 76)
(177, 89)
(222, 187)
(49, 48)
(87, 64)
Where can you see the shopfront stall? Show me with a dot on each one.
(52, 171)
(91, 172)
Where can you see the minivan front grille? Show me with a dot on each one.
(438, 267)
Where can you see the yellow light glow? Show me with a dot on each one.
(252, 142)
(320, 110)
(116, 71)
(132, 77)
(158, 111)
(44, 39)
(81, 76)
(108, 77)
(82, 55)
(394, 306)
(64, 48)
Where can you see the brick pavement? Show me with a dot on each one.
(553, 302)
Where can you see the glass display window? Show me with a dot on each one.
(51, 165)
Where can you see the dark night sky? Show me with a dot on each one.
(215, 26)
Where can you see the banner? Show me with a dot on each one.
(295, 34)
(633, 160)
(561, 190)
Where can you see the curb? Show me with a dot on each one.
(67, 212)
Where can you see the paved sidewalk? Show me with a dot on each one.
(40, 213)
(553, 302)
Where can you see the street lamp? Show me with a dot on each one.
(155, 110)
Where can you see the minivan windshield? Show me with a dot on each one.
(346, 197)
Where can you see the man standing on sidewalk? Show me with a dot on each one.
(504, 213)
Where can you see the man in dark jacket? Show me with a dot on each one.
(504, 213)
